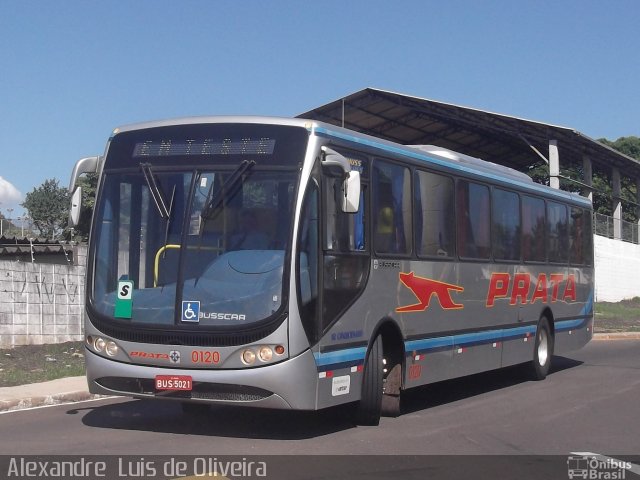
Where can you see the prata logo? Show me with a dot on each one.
(424, 289)
(190, 311)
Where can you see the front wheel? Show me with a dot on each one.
(369, 408)
(543, 350)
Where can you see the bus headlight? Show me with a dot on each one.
(265, 354)
(111, 348)
(248, 357)
(99, 344)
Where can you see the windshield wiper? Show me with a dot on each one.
(214, 201)
(156, 193)
(159, 200)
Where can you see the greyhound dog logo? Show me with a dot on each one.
(424, 289)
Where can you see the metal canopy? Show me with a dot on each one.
(498, 138)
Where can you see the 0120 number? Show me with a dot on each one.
(208, 357)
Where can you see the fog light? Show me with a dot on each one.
(111, 349)
(265, 354)
(279, 349)
(99, 344)
(248, 357)
(89, 341)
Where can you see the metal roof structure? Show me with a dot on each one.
(28, 249)
(502, 139)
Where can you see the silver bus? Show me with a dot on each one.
(292, 264)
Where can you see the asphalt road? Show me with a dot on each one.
(590, 402)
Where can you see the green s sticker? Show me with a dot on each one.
(124, 299)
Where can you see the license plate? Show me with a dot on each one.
(174, 382)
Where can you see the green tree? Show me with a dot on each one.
(629, 146)
(48, 207)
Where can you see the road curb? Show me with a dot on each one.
(617, 336)
(40, 401)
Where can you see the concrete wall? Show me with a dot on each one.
(41, 303)
(617, 269)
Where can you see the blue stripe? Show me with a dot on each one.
(353, 356)
(438, 343)
(340, 356)
(407, 152)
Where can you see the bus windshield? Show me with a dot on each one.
(194, 231)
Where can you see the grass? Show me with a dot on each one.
(39, 363)
(621, 316)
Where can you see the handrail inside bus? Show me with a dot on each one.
(164, 248)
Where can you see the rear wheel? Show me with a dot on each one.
(368, 409)
(543, 350)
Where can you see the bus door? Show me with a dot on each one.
(345, 257)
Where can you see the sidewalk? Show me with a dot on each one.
(62, 390)
(74, 389)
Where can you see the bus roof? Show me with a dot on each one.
(429, 154)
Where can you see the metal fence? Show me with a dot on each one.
(605, 226)
(20, 227)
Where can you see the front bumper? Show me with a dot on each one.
(291, 384)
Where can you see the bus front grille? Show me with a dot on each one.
(201, 390)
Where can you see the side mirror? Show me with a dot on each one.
(76, 207)
(84, 165)
(351, 192)
(350, 182)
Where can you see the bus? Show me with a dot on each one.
(293, 264)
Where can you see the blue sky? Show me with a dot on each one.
(71, 71)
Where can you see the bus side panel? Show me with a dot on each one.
(571, 335)
(428, 361)
(470, 358)
(338, 386)
(575, 329)
(518, 345)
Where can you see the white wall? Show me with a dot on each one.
(41, 303)
(617, 269)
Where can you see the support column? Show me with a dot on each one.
(587, 173)
(617, 204)
(554, 164)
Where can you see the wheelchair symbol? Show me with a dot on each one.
(190, 311)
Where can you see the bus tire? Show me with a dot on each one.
(368, 410)
(542, 351)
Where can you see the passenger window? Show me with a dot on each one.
(533, 230)
(558, 228)
(435, 225)
(506, 225)
(391, 208)
(588, 237)
(580, 237)
(473, 220)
